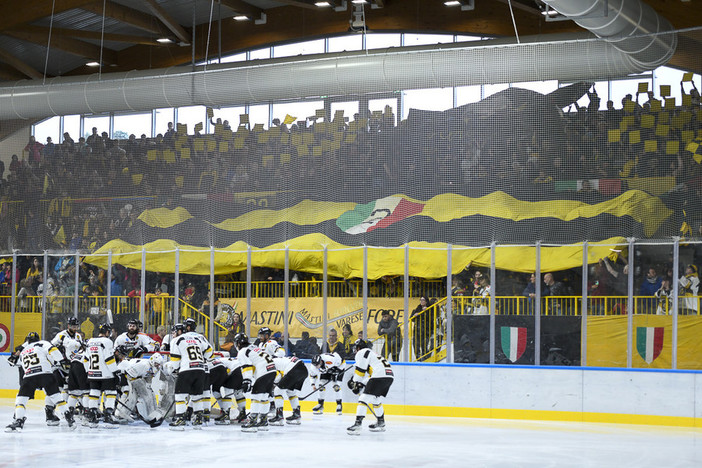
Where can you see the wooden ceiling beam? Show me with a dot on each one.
(39, 36)
(243, 8)
(130, 16)
(299, 4)
(112, 37)
(170, 22)
(19, 65)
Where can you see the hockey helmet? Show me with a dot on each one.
(265, 331)
(178, 327)
(360, 344)
(190, 325)
(105, 329)
(317, 361)
(122, 350)
(157, 360)
(241, 341)
(32, 337)
(133, 323)
(72, 322)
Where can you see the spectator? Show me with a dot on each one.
(161, 331)
(389, 330)
(689, 287)
(306, 347)
(368, 344)
(33, 150)
(422, 328)
(333, 345)
(664, 296)
(481, 296)
(347, 341)
(559, 303)
(650, 285)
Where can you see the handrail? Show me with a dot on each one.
(204, 317)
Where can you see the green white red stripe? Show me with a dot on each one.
(513, 342)
(649, 342)
(377, 214)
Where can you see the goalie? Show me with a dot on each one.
(140, 400)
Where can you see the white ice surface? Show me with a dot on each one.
(321, 441)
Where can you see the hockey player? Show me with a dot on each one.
(136, 342)
(327, 368)
(258, 372)
(292, 373)
(232, 387)
(37, 358)
(264, 336)
(273, 349)
(373, 377)
(166, 343)
(191, 351)
(72, 345)
(140, 399)
(101, 367)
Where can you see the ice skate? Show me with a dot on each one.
(295, 418)
(109, 418)
(198, 420)
(92, 418)
(339, 408)
(222, 419)
(16, 425)
(206, 416)
(262, 422)
(277, 420)
(356, 428)
(178, 423)
(249, 425)
(70, 420)
(51, 418)
(379, 426)
(319, 409)
(241, 417)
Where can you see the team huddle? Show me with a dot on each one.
(77, 375)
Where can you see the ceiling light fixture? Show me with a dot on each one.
(464, 4)
(93, 64)
(241, 18)
(322, 4)
(164, 40)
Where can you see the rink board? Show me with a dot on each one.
(629, 396)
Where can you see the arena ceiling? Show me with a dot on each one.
(59, 37)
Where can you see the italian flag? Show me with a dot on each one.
(514, 340)
(378, 214)
(649, 342)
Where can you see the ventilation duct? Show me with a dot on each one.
(631, 26)
(554, 57)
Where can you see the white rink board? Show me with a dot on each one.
(628, 392)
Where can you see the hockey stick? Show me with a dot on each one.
(132, 411)
(158, 422)
(370, 407)
(322, 386)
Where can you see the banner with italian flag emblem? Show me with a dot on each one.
(649, 342)
(377, 214)
(514, 340)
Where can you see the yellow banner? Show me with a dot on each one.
(305, 314)
(24, 323)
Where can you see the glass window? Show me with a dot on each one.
(191, 116)
(228, 114)
(671, 76)
(71, 124)
(163, 116)
(436, 99)
(260, 54)
(340, 44)
(489, 90)
(349, 107)
(382, 41)
(467, 94)
(102, 123)
(128, 124)
(382, 104)
(620, 88)
(258, 115)
(424, 39)
(48, 128)
(299, 48)
(233, 58)
(462, 38)
(299, 110)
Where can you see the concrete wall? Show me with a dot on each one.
(14, 144)
(671, 398)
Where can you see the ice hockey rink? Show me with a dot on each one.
(322, 441)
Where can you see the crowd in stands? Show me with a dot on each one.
(66, 195)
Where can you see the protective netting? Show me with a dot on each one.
(514, 167)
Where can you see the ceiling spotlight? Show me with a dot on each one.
(93, 64)
(164, 40)
(359, 2)
(464, 4)
(241, 18)
(322, 4)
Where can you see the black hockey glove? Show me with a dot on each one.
(138, 351)
(355, 387)
(246, 386)
(65, 365)
(12, 360)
